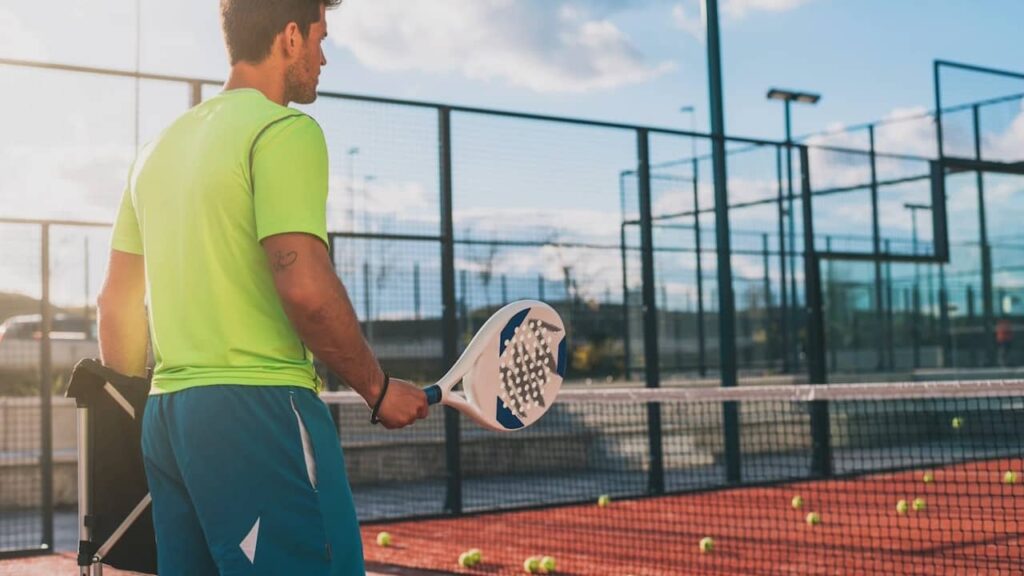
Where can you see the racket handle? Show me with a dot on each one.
(433, 393)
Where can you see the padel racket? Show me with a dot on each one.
(512, 369)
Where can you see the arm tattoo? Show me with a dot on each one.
(284, 260)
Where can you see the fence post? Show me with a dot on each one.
(766, 319)
(652, 367)
(988, 314)
(821, 440)
(627, 348)
(876, 248)
(449, 330)
(944, 318)
(416, 289)
(971, 341)
(726, 301)
(46, 395)
(702, 360)
(890, 307)
(784, 317)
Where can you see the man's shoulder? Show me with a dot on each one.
(248, 113)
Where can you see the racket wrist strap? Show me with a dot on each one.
(374, 413)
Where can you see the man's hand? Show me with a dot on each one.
(404, 403)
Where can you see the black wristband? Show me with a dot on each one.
(380, 400)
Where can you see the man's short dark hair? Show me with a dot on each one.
(251, 25)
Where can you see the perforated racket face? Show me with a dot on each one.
(520, 372)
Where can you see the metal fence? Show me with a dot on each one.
(441, 214)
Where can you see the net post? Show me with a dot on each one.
(652, 367)
(453, 463)
(821, 441)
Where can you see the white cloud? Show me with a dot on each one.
(689, 16)
(17, 40)
(540, 45)
(689, 20)
(740, 8)
(1007, 146)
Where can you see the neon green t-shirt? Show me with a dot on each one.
(200, 198)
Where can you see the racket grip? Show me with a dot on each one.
(433, 393)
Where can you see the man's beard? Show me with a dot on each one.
(297, 88)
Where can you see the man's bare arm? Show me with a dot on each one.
(319, 307)
(121, 307)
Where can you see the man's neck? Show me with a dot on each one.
(264, 77)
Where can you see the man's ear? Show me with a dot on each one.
(290, 39)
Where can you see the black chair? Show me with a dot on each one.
(114, 515)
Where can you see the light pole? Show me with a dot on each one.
(701, 353)
(788, 97)
(692, 111)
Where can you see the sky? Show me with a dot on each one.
(623, 60)
(629, 61)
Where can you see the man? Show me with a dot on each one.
(222, 230)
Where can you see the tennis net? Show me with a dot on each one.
(921, 478)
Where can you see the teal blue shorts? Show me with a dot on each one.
(248, 480)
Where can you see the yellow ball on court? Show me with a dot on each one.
(604, 500)
(478, 555)
(902, 507)
(547, 565)
(813, 519)
(384, 539)
(1010, 477)
(797, 502)
(957, 423)
(531, 565)
(928, 478)
(707, 544)
(466, 560)
(919, 504)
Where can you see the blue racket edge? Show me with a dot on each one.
(433, 393)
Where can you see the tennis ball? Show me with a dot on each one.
(531, 565)
(707, 544)
(478, 555)
(813, 519)
(928, 478)
(902, 507)
(797, 502)
(957, 423)
(919, 504)
(604, 500)
(384, 539)
(1010, 477)
(547, 565)
(466, 560)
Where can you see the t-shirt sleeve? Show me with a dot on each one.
(127, 237)
(289, 179)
